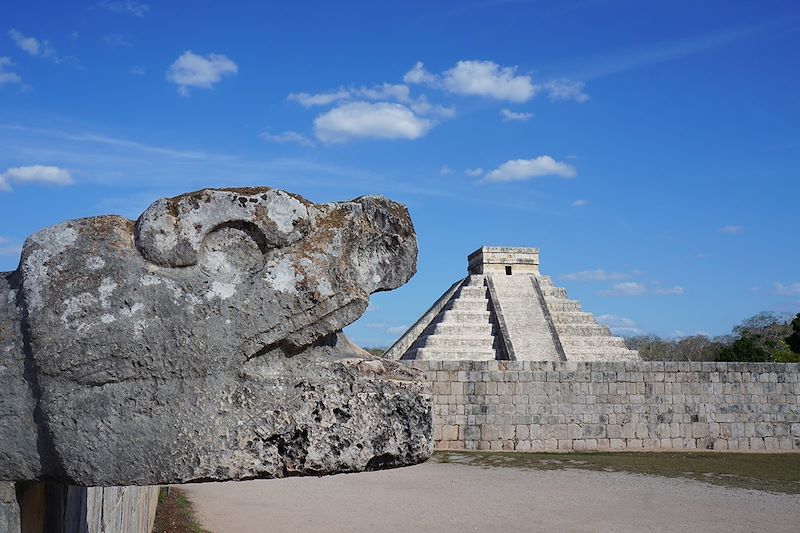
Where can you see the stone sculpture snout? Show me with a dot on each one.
(206, 328)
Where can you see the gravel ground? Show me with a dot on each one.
(436, 497)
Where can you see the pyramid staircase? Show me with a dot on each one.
(466, 328)
(581, 337)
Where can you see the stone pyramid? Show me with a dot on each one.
(505, 309)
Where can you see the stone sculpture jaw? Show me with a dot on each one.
(155, 352)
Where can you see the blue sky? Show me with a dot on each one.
(651, 150)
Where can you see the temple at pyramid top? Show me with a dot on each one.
(505, 309)
(499, 260)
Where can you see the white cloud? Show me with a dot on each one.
(138, 71)
(444, 170)
(628, 288)
(372, 308)
(308, 100)
(369, 120)
(579, 203)
(5, 75)
(125, 7)
(287, 137)
(620, 325)
(474, 172)
(192, 70)
(35, 174)
(634, 288)
(525, 169)
(792, 289)
(29, 44)
(513, 116)
(563, 89)
(422, 106)
(392, 330)
(477, 78)
(386, 91)
(669, 290)
(731, 230)
(418, 74)
(8, 247)
(596, 275)
(486, 78)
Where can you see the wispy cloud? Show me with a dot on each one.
(125, 7)
(474, 172)
(287, 137)
(525, 169)
(445, 170)
(109, 141)
(620, 325)
(41, 48)
(9, 247)
(107, 160)
(391, 330)
(598, 275)
(203, 72)
(644, 55)
(635, 288)
(318, 99)
(30, 45)
(731, 230)
(385, 91)
(514, 116)
(7, 77)
(791, 289)
(564, 89)
(579, 203)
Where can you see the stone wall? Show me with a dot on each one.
(34, 507)
(554, 406)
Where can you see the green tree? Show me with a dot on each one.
(762, 338)
(793, 340)
(745, 349)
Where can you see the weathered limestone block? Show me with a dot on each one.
(203, 342)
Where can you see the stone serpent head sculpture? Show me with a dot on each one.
(203, 342)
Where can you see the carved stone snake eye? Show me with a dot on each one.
(172, 231)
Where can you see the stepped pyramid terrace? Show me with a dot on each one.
(506, 310)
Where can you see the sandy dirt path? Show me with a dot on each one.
(436, 497)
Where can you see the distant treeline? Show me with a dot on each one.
(766, 337)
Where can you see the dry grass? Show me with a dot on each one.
(175, 513)
(757, 471)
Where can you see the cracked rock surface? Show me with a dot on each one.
(203, 342)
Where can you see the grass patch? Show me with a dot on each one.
(757, 471)
(175, 513)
